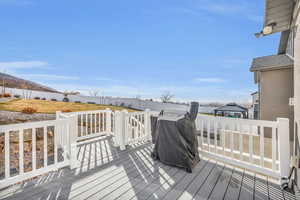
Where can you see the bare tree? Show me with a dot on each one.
(166, 96)
(26, 91)
(97, 93)
(94, 93)
(3, 83)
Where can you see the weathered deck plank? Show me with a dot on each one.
(222, 184)
(234, 186)
(107, 173)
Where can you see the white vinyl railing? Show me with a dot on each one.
(91, 124)
(32, 149)
(257, 145)
(131, 127)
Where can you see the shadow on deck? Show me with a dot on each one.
(107, 173)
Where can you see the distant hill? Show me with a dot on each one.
(15, 82)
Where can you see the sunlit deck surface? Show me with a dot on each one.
(107, 173)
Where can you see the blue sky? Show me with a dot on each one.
(197, 49)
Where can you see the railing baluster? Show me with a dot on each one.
(91, 122)
(136, 127)
(66, 135)
(21, 151)
(45, 146)
(250, 144)
(7, 154)
(274, 148)
(81, 122)
(208, 134)
(223, 137)
(33, 149)
(239, 126)
(202, 131)
(56, 131)
(86, 124)
(231, 139)
(262, 145)
(101, 122)
(215, 136)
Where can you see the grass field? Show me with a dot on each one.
(43, 106)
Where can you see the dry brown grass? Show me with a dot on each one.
(43, 106)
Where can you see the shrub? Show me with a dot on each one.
(66, 110)
(53, 99)
(66, 99)
(77, 101)
(17, 96)
(29, 110)
(5, 95)
(91, 102)
(44, 98)
(37, 98)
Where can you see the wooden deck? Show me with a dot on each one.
(107, 173)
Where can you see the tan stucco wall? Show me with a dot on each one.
(296, 21)
(276, 87)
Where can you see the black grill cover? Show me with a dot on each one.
(175, 138)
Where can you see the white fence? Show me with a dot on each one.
(107, 100)
(31, 149)
(260, 146)
(131, 127)
(91, 124)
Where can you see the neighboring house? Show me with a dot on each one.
(254, 110)
(278, 76)
(275, 74)
(232, 110)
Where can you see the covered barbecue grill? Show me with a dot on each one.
(174, 136)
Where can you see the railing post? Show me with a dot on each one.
(108, 120)
(147, 124)
(124, 129)
(73, 133)
(58, 114)
(284, 146)
(120, 130)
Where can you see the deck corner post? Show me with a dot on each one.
(148, 124)
(284, 147)
(124, 131)
(119, 130)
(73, 133)
(108, 121)
(58, 113)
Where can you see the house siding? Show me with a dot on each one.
(276, 87)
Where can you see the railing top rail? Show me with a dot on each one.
(264, 123)
(29, 125)
(90, 111)
(137, 113)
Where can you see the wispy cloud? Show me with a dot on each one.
(232, 7)
(51, 77)
(16, 2)
(22, 65)
(219, 8)
(105, 79)
(210, 80)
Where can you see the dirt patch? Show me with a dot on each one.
(8, 117)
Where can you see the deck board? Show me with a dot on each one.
(247, 190)
(222, 184)
(205, 191)
(198, 182)
(108, 173)
(234, 186)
